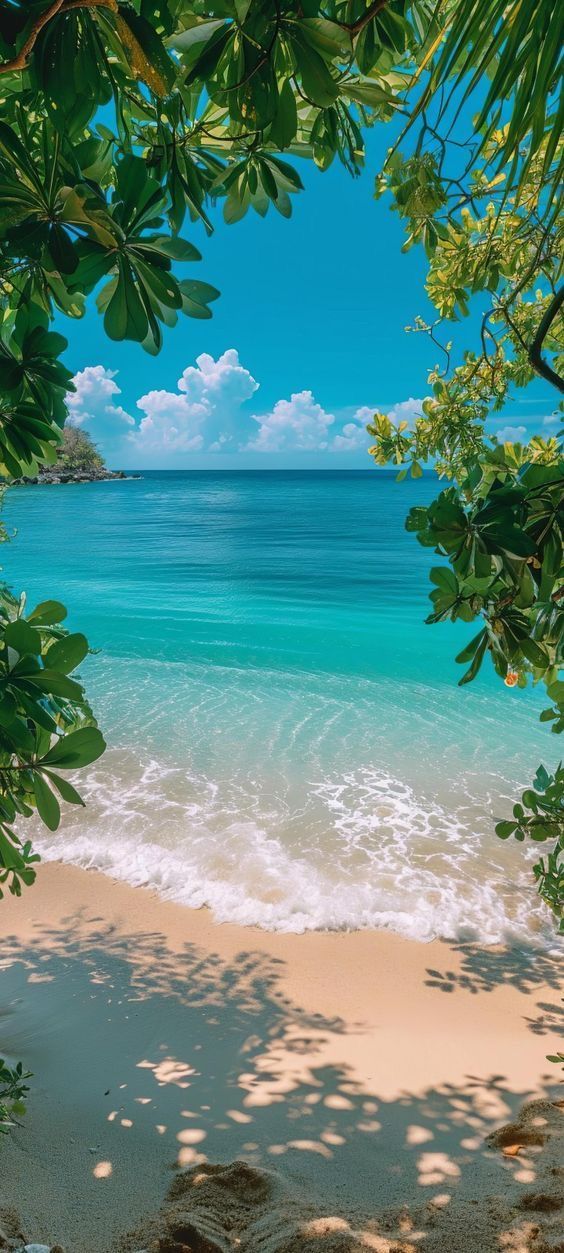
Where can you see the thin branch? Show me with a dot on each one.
(354, 28)
(535, 352)
(19, 62)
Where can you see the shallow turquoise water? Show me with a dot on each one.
(287, 742)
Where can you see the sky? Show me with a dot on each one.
(306, 341)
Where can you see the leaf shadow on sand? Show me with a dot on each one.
(171, 1059)
(525, 968)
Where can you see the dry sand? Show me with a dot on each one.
(361, 1072)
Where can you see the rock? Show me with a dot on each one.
(49, 478)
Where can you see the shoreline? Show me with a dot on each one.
(65, 477)
(365, 1069)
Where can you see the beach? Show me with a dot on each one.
(363, 1071)
(277, 711)
(282, 932)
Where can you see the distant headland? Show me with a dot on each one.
(78, 461)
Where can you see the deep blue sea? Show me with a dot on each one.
(287, 742)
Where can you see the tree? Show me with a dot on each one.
(495, 230)
(78, 452)
(206, 95)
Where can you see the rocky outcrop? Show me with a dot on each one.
(50, 478)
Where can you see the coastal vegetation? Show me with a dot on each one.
(78, 461)
(78, 452)
(170, 107)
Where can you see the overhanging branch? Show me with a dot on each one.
(535, 352)
(20, 60)
(354, 28)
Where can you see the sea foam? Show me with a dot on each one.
(362, 851)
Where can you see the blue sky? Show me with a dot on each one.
(306, 340)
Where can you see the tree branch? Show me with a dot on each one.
(535, 352)
(354, 28)
(19, 62)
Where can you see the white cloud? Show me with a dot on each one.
(405, 411)
(299, 423)
(512, 434)
(208, 397)
(354, 437)
(92, 404)
(205, 414)
(553, 419)
(209, 380)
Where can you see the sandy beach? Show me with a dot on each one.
(363, 1069)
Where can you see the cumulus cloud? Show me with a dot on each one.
(351, 438)
(208, 397)
(512, 434)
(354, 437)
(553, 419)
(206, 413)
(91, 405)
(405, 411)
(299, 423)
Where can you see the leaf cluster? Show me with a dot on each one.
(46, 726)
(13, 1091)
(539, 816)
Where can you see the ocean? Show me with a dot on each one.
(287, 743)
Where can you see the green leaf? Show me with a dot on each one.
(10, 857)
(326, 37)
(48, 806)
(505, 829)
(444, 579)
(67, 653)
(176, 248)
(468, 652)
(199, 31)
(57, 684)
(126, 316)
(476, 663)
(535, 653)
(116, 315)
(195, 298)
(62, 250)
(66, 790)
(22, 637)
(285, 124)
(542, 779)
(318, 83)
(8, 709)
(78, 748)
